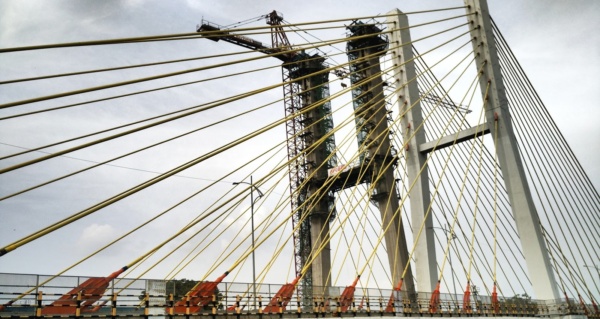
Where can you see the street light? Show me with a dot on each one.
(260, 194)
(450, 254)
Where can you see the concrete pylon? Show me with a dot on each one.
(410, 122)
(500, 126)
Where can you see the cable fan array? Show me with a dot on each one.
(212, 122)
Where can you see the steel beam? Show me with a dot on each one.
(454, 138)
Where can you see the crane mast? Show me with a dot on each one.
(304, 88)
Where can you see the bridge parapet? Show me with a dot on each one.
(145, 298)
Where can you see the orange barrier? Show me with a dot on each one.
(198, 297)
(81, 298)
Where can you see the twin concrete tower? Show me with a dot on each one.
(365, 46)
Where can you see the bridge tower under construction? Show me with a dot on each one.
(365, 46)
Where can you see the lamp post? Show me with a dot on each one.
(260, 194)
(447, 231)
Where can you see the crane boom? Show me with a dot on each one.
(280, 42)
(227, 36)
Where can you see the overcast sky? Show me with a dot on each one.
(556, 42)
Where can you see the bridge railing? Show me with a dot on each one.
(144, 298)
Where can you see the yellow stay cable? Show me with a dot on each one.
(141, 186)
(387, 227)
(396, 212)
(241, 32)
(179, 35)
(416, 239)
(133, 230)
(317, 252)
(281, 147)
(120, 96)
(413, 183)
(494, 274)
(160, 76)
(50, 76)
(461, 192)
(322, 139)
(474, 227)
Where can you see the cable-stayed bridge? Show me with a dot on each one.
(407, 168)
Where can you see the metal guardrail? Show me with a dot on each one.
(150, 298)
